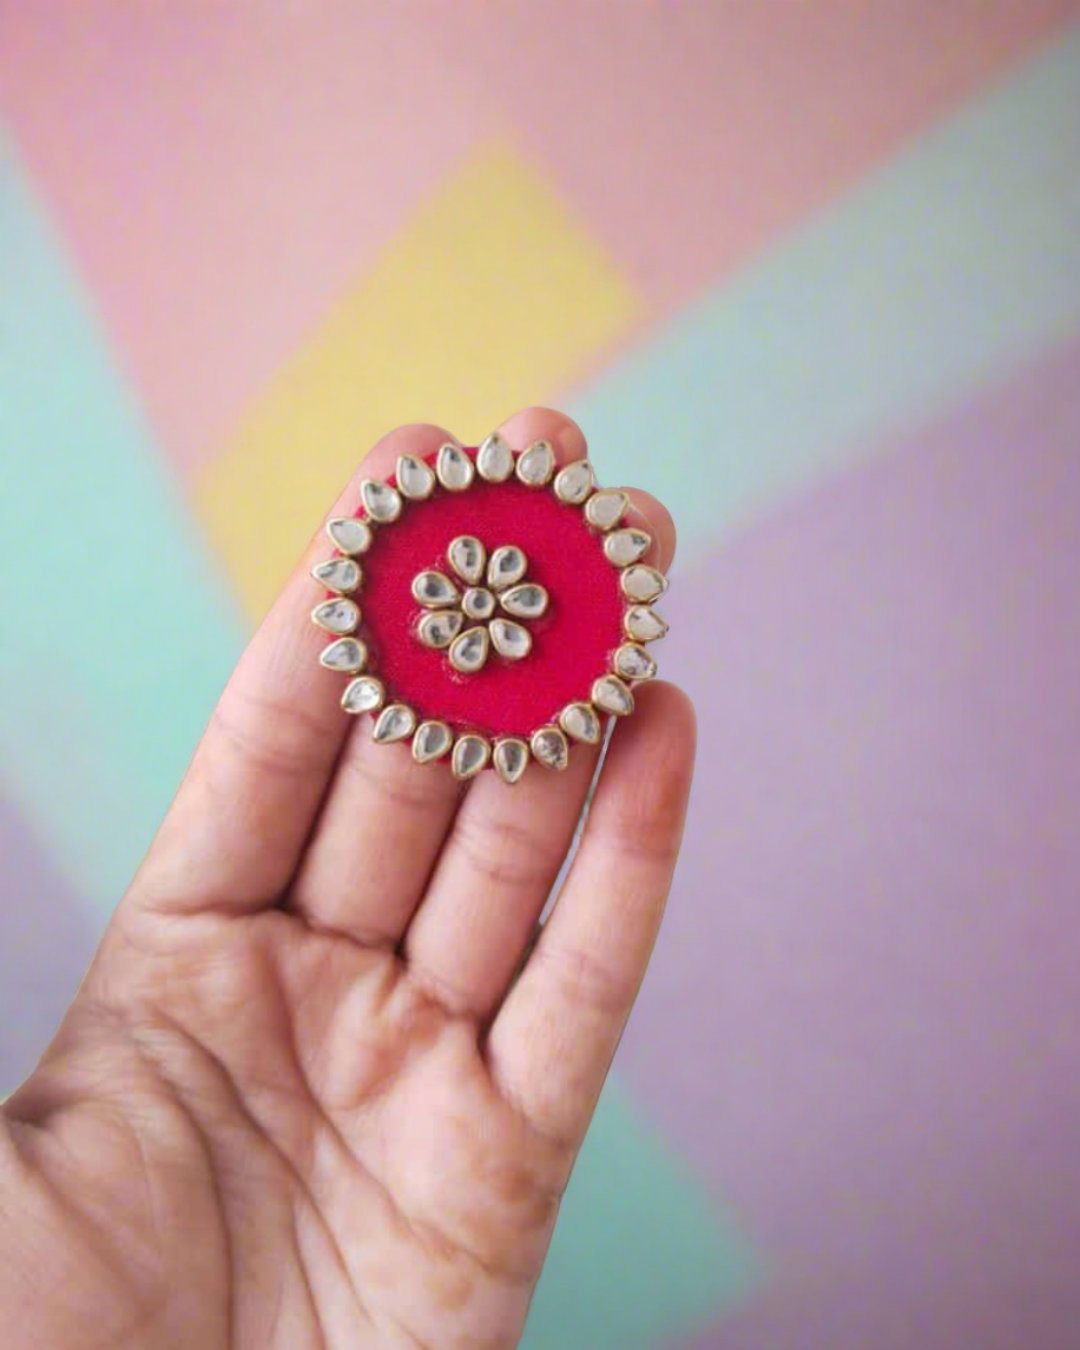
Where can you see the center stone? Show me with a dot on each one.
(478, 603)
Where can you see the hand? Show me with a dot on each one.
(301, 1099)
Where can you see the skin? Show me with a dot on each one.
(304, 1098)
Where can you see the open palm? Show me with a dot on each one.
(308, 1096)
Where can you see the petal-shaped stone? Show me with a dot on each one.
(469, 650)
(350, 534)
(415, 479)
(439, 628)
(644, 624)
(550, 748)
(396, 722)
(336, 616)
(574, 483)
(478, 603)
(432, 741)
(510, 640)
(346, 654)
(454, 468)
(580, 721)
(467, 557)
(642, 583)
(511, 758)
(633, 662)
(363, 695)
(471, 754)
(605, 509)
(495, 459)
(527, 601)
(536, 465)
(624, 547)
(610, 694)
(507, 566)
(338, 574)
(433, 590)
(381, 501)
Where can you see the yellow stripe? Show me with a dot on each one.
(489, 299)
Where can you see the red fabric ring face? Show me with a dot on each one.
(572, 641)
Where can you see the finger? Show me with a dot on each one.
(507, 845)
(496, 871)
(386, 817)
(237, 828)
(553, 1040)
(376, 841)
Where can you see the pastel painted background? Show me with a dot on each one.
(812, 272)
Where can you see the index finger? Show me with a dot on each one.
(238, 826)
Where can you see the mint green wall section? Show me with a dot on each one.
(116, 634)
(642, 1254)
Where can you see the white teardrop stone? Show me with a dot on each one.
(644, 624)
(510, 640)
(338, 574)
(580, 721)
(439, 628)
(612, 695)
(363, 695)
(634, 663)
(605, 509)
(549, 747)
(471, 754)
(433, 590)
(381, 501)
(495, 459)
(642, 583)
(478, 603)
(511, 758)
(467, 557)
(469, 650)
(507, 566)
(395, 723)
(574, 483)
(527, 601)
(350, 534)
(345, 654)
(624, 547)
(415, 479)
(336, 616)
(432, 740)
(454, 468)
(536, 465)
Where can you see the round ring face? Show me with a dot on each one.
(489, 621)
(571, 642)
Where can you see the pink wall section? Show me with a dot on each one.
(260, 156)
(260, 161)
(690, 135)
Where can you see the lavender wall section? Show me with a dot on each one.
(47, 945)
(863, 1019)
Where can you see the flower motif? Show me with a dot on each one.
(471, 620)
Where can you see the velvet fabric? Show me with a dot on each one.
(572, 642)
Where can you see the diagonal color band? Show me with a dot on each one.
(487, 300)
(950, 264)
(116, 634)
